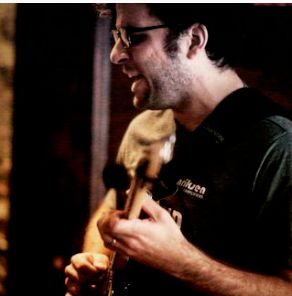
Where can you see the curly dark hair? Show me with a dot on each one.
(225, 23)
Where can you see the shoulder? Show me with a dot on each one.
(281, 123)
(275, 128)
(272, 140)
(273, 136)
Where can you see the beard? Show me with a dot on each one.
(167, 87)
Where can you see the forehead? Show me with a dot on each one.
(135, 15)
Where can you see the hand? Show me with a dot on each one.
(155, 241)
(85, 273)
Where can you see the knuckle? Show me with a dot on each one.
(73, 289)
(68, 270)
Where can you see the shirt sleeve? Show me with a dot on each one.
(273, 185)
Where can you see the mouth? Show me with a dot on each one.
(136, 81)
(131, 73)
(135, 77)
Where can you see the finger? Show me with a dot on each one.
(72, 288)
(107, 226)
(99, 261)
(84, 262)
(151, 208)
(71, 272)
(113, 244)
(80, 287)
(86, 267)
(109, 219)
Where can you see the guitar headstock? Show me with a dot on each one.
(148, 169)
(157, 154)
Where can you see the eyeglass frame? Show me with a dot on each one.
(124, 33)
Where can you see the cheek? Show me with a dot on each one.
(146, 57)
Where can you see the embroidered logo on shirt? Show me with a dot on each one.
(190, 188)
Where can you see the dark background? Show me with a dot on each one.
(52, 128)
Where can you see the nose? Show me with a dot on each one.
(119, 55)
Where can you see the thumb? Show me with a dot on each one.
(152, 209)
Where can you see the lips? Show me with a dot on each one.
(137, 80)
(136, 77)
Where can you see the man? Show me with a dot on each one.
(227, 228)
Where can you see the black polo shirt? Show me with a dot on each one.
(229, 188)
(233, 177)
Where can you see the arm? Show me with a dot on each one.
(85, 270)
(92, 239)
(158, 243)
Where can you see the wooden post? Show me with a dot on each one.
(100, 110)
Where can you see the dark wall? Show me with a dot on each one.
(122, 110)
(267, 58)
(51, 143)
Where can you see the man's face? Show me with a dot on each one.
(159, 82)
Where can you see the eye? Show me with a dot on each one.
(137, 39)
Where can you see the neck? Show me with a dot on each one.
(208, 92)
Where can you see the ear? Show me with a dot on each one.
(199, 39)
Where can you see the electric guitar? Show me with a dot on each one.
(155, 155)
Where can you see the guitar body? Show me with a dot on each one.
(138, 280)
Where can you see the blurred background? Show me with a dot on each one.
(63, 111)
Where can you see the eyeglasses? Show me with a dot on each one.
(125, 34)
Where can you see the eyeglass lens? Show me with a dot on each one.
(121, 33)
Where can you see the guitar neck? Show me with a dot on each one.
(138, 191)
(141, 184)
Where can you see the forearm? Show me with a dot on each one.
(92, 239)
(215, 278)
